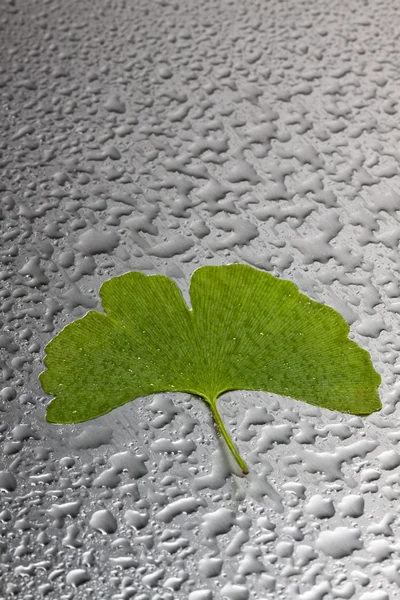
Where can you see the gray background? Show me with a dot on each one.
(159, 137)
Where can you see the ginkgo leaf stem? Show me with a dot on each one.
(220, 424)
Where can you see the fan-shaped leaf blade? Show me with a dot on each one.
(246, 330)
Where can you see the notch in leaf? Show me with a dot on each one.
(246, 330)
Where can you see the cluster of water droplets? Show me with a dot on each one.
(158, 137)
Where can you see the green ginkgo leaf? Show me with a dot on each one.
(246, 330)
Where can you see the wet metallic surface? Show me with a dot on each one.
(161, 136)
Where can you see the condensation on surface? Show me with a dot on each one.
(161, 136)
